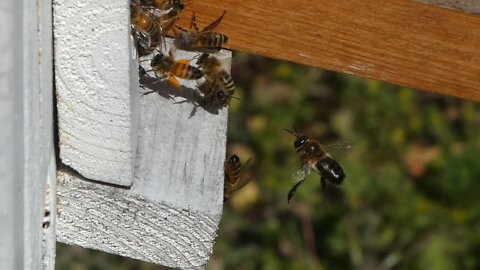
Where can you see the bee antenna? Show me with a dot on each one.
(289, 131)
(295, 129)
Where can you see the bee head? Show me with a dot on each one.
(222, 98)
(234, 159)
(300, 141)
(160, 61)
(178, 4)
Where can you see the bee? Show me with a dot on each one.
(205, 40)
(144, 29)
(314, 157)
(167, 12)
(233, 180)
(218, 87)
(166, 66)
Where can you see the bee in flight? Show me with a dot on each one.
(233, 172)
(205, 40)
(145, 29)
(314, 157)
(218, 87)
(166, 66)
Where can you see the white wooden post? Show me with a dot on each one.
(163, 155)
(27, 162)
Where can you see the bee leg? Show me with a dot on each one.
(294, 189)
(194, 22)
(324, 183)
(174, 82)
(214, 24)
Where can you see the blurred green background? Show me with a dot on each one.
(410, 199)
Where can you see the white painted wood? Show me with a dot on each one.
(11, 169)
(468, 6)
(115, 221)
(170, 214)
(26, 115)
(97, 105)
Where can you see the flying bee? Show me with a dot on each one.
(314, 157)
(205, 40)
(218, 87)
(233, 172)
(166, 66)
(144, 29)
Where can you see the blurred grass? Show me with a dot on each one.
(409, 200)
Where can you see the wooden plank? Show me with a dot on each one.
(11, 169)
(27, 157)
(468, 6)
(115, 221)
(403, 42)
(97, 106)
(170, 214)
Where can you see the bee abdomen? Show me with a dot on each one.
(228, 81)
(213, 39)
(185, 71)
(331, 170)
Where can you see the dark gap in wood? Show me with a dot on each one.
(69, 170)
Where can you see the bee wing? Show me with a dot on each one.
(338, 147)
(301, 174)
(142, 38)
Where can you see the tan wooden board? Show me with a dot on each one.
(402, 42)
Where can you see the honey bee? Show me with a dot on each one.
(167, 12)
(144, 29)
(205, 40)
(166, 66)
(314, 157)
(218, 87)
(233, 180)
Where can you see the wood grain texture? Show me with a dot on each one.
(468, 6)
(97, 106)
(402, 42)
(181, 147)
(170, 214)
(112, 220)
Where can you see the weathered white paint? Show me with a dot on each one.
(181, 147)
(468, 6)
(115, 221)
(170, 214)
(97, 107)
(26, 116)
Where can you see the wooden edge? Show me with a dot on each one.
(467, 6)
(402, 42)
(111, 220)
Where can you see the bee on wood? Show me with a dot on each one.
(314, 157)
(145, 29)
(166, 66)
(218, 87)
(167, 12)
(205, 40)
(233, 172)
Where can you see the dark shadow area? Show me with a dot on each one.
(163, 88)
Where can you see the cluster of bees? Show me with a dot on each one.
(152, 21)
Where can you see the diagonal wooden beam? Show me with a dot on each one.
(402, 42)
